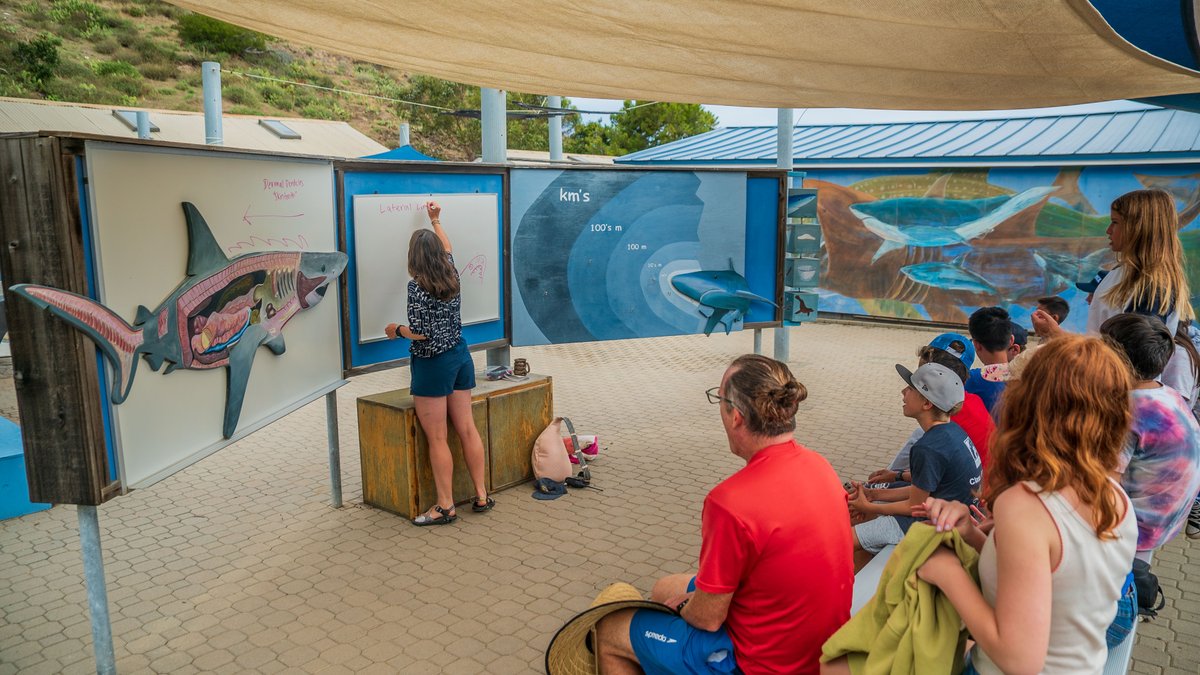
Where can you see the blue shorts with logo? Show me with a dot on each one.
(443, 374)
(665, 644)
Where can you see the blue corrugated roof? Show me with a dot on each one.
(1131, 135)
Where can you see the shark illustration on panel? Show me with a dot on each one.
(218, 316)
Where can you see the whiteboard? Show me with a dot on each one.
(383, 225)
(140, 246)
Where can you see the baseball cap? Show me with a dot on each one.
(548, 488)
(1020, 335)
(937, 383)
(945, 342)
(1090, 286)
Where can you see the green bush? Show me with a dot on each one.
(159, 71)
(108, 45)
(241, 95)
(218, 36)
(81, 17)
(283, 98)
(39, 58)
(115, 69)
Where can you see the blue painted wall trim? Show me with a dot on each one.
(367, 183)
(762, 239)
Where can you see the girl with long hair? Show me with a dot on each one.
(443, 373)
(1149, 277)
(1053, 561)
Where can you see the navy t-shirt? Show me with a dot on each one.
(945, 464)
(985, 389)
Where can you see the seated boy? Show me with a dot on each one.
(991, 333)
(956, 353)
(1161, 463)
(1055, 307)
(945, 463)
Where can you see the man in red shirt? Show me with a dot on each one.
(776, 571)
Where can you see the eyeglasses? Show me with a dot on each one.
(714, 397)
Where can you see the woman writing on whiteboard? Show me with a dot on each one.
(443, 374)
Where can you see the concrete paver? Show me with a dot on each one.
(239, 564)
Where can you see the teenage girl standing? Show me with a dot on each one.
(443, 373)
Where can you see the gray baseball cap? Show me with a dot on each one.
(937, 383)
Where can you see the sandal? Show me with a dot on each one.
(487, 504)
(447, 516)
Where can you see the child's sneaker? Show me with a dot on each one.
(1193, 524)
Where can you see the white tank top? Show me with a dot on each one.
(1084, 588)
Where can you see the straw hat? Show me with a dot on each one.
(568, 653)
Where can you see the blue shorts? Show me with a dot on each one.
(665, 644)
(443, 374)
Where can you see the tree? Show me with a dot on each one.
(639, 126)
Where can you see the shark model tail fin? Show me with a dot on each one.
(117, 340)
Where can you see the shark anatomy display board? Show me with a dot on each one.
(383, 224)
(604, 255)
(938, 243)
(218, 271)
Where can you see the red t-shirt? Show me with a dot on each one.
(975, 419)
(776, 534)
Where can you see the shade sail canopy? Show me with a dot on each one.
(899, 54)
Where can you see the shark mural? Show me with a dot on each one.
(217, 317)
(935, 244)
(724, 293)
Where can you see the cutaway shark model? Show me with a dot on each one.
(725, 292)
(926, 221)
(217, 316)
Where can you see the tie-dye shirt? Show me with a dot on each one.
(1161, 464)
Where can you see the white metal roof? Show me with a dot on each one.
(317, 137)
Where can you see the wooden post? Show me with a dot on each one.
(54, 366)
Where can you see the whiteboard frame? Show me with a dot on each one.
(498, 215)
(112, 417)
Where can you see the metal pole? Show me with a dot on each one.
(494, 117)
(143, 124)
(758, 341)
(93, 574)
(783, 160)
(404, 134)
(210, 74)
(555, 130)
(335, 456)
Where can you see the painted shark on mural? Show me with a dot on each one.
(725, 292)
(932, 221)
(1063, 270)
(218, 316)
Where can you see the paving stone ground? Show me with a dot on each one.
(238, 563)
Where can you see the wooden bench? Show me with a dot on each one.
(396, 474)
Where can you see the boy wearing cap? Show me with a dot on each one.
(955, 352)
(945, 463)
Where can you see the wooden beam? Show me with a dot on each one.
(54, 366)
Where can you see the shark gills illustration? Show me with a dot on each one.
(216, 317)
(929, 221)
(725, 292)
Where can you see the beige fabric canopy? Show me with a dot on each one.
(895, 54)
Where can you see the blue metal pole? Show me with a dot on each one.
(335, 454)
(783, 160)
(93, 573)
(143, 124)
(556, 137)
(210, 78)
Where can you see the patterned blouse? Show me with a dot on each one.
(1162, 457)
(439, 321)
